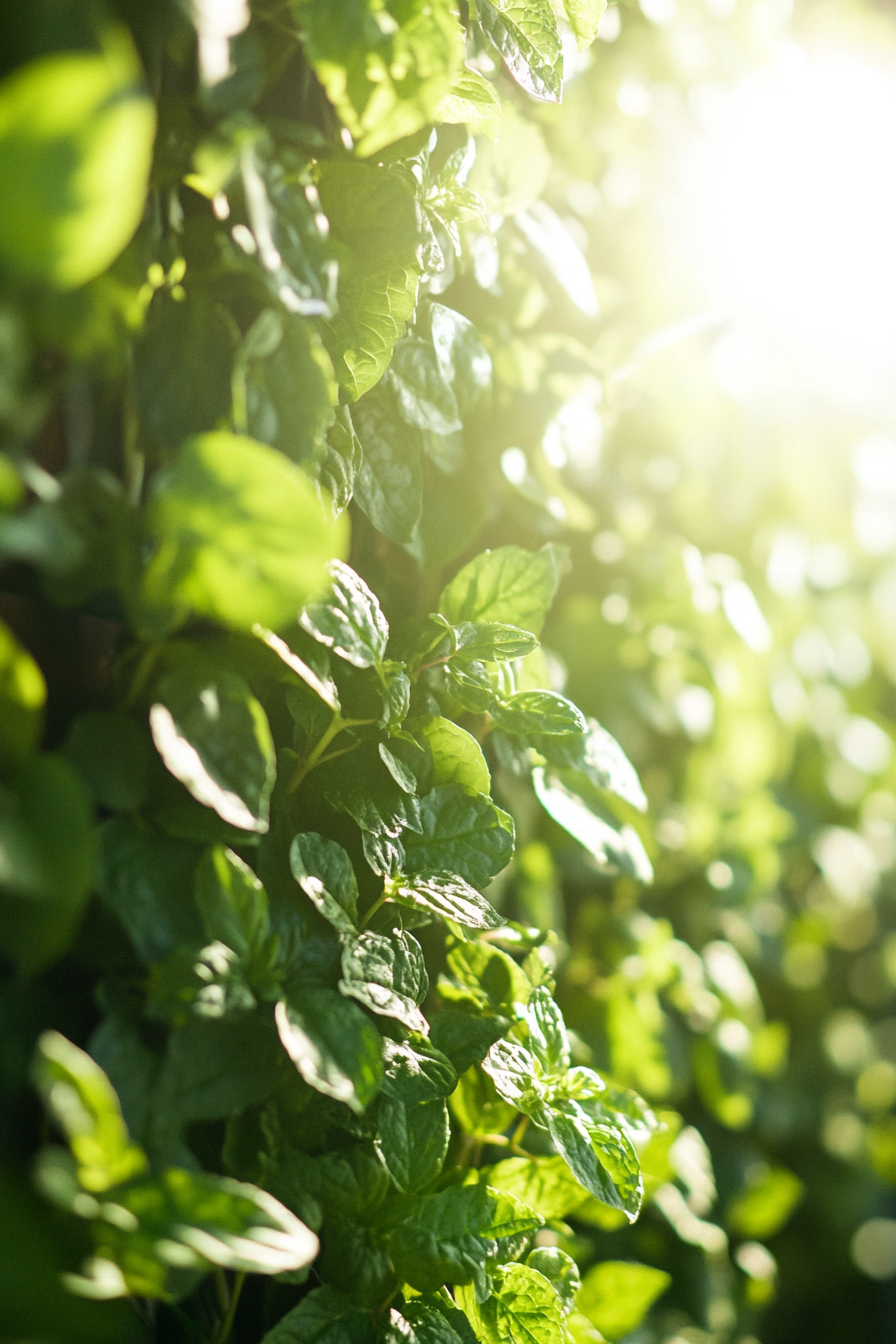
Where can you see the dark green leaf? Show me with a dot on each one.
(389, 484)
(424, 394)
(387, 973)
(461, 833)
(113, 754)
(463, 358)
(509, 585)
(465, 1038)
(341, 461)
(290, 388)
(214, 737)
(147, 883)
(47, 845)
(348, 619)
(332, 1044)
(415, 1072)
(445, 1240)
(323, 1317)
(324, 872)
(178, 339)
(216, 1067)
(232, 902)
(412, 1142)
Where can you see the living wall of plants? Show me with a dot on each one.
(356, 986)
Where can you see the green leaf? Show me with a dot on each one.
(341, 461)
(598, 756)
(287, 379)
(477, 1107)
(373, 213)
(538, 712)
(617, 1294)
(416, 1071)
(179, 338)
(761, 1210)
(385, 68)
(465, 363)
(473, 101)
(465, 1038)
(548, 1040)
(224, 521)
(113, 755)
(76, 140)
(147, 883)
(232, 902)
(389, 484)
(614, 848)
(513, 172)
(430, 1323)
(525, 33)
(446, 895)
(324, 872)
(47, 849)
(444, 1241)
(600, 1156)
(523, 1309)
(423, 391)
(560, 1270)
(216, 1067)
(545, 1184)
(488, 977)
(86, 1108)
(514, 1072)
(323, 1317)
(22, 695)
(490, 641)
(412, 1142)
(214, 737)
(456, 755)
(583, 17)
(332, 1044)
(348, 619)
(509, 585)
(387, 973)
(462, 834)
(198, 1221)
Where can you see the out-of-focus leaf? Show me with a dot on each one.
(617, 1294)
(22, 696)
(761, 1210)
(113, 754)
(224, 520)
(474, 102)
(614, 848)
(147, 883)
(76, 139)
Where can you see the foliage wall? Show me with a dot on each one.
(371, 969)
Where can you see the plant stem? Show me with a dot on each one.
(516, 1137)
(306, 764)
(372, 911)
(227, 1321)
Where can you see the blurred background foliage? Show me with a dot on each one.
(728, 614)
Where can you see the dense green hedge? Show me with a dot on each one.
(300, 833)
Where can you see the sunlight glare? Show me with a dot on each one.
(792, 186)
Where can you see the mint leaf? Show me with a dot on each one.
(514, 1072)
(146, 881)
(561, 1272)
(324, 872)
(232, 902)
(491, 641)
(525, 33)
(461, 833)
(472, 100)
(332, 1044)
(86, 1107)
(599, 757)
(389, 483)
(423, 392)
(348, 619)
(223, 520)
(583, 17)
(548, 1040)
(523, 1309)
(416, 1071)
(465, 1038)
(446, 895)
(545, 1184)
(325, 1316)
(600, 1156)
(538, 712)
(412, 1142)
(386, 973)
(456, 755)
(444, 1241)
(285, 375)
(214, 737)
(509, 585)
(614, 848)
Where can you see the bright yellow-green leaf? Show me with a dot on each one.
(76, 137)
(617, 1294)
(762, 1209)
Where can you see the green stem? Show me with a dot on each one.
(306, 764)
(516, 1137)
(372, 911)
(227, 1323)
